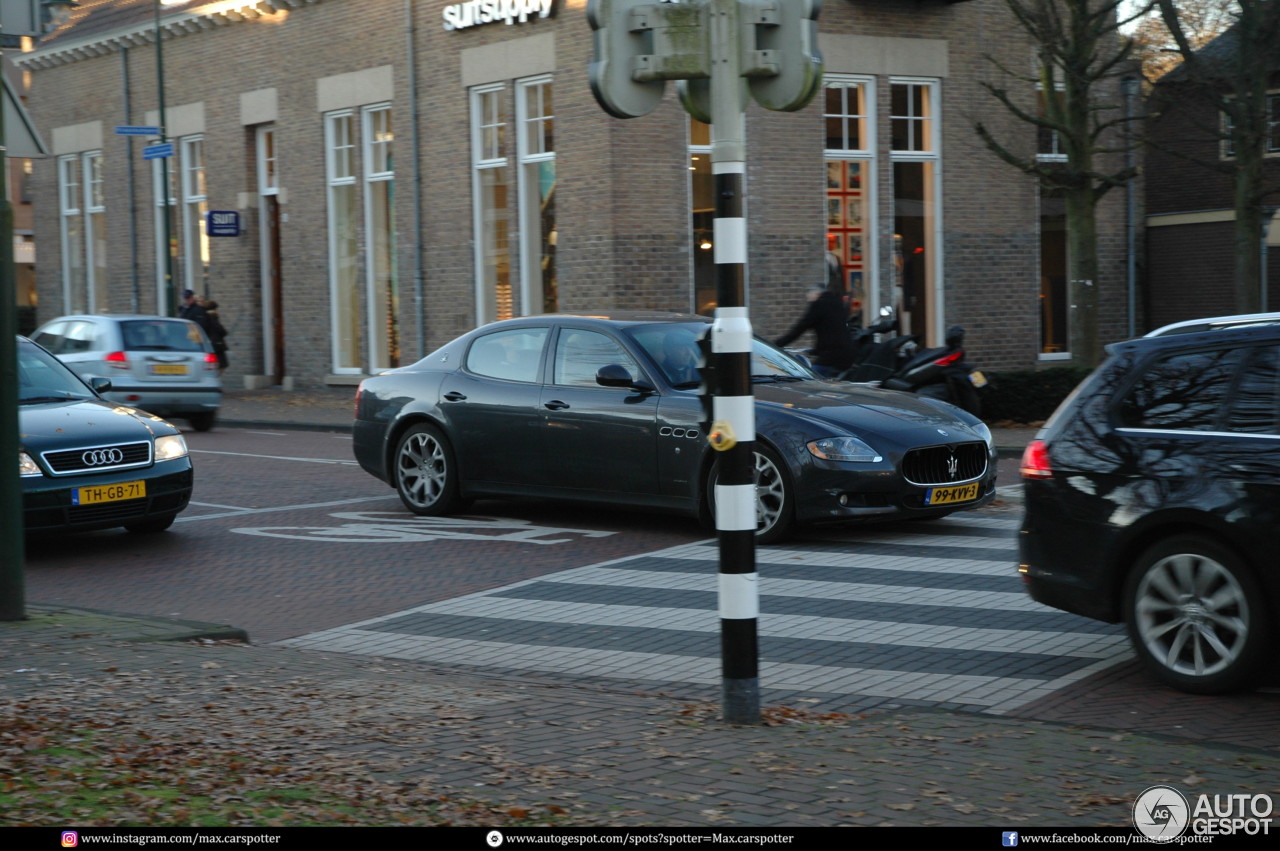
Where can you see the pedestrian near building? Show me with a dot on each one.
(192, 309)
(826, 315)
(217, 334)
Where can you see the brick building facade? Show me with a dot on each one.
(400, 182)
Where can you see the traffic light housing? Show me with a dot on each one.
(640, 44)
(780, 59)
(707, 370)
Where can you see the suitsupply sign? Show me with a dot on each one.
(473, 13)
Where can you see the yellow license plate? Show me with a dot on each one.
(168, 369)
(977, 378)
(108, 493)
(955, 493)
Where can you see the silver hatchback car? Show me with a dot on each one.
(162, 365)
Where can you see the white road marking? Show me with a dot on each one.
(245, 511)
(345, 463)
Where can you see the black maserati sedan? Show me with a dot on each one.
(605, 409)
(86, 463)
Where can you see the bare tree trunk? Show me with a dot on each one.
(1082, 270)
(1247, 283)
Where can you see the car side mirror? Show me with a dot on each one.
(617, 375)
(100, 384)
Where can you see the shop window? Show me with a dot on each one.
(362, 178)
(849, 163)
(492, 188)
(514, 276)
(535, 143)
(703, 215)
(194, 241)
(379, 204)
(917, 206)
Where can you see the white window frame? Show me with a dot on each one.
(932, 154)
(335, 180)
(71, 206)
(82, 200)
(483, 158)
(529, 231)
(268, 183)
(696, 151)
(268, 163)
(376, 156)
(194, 242)
(865, 154)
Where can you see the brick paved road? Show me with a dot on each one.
(289, 538)
(286, 535)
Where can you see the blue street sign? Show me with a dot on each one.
(154, 152)
(222, 223)
(136, 130)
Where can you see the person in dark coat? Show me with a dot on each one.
(826, 315)
(217, 334)
(192, 309)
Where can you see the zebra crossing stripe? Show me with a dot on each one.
(979, 691)
(991, 650)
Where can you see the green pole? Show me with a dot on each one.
(12, 592)
(170, 293)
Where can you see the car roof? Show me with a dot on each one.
(115, 317)
(1216, 323)
(612, 317)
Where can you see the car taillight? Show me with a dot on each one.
(947, 360)
(359, 390)
(117, 360)
(210, 360)
(1035, 461)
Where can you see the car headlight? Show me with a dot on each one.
(981, 428)
(842, 449)
(26, 466)
(170, 446)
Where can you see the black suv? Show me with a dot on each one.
(1153, 498)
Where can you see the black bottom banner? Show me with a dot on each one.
(533, 838)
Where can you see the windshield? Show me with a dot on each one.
(673, 347)
(43, 378)
(163, 335)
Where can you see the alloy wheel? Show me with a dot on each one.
(422, 470)
(771, 494)
(1191, 614)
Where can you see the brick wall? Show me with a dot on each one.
(622, 197)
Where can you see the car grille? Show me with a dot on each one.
(93, 459)
(946, 464)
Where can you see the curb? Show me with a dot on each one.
(281, 424)
(165, 629)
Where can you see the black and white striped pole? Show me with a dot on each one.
(733, 426)
(711, 46)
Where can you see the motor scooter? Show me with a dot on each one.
(941, 373)
(876, 357)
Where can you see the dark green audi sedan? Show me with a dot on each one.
(605, 409)
(86, 463)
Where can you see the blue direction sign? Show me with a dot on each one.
(136, 130)
(155, 152)
(222, 223)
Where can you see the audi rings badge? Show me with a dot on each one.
(102, 457)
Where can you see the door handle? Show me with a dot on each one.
(455, 396)
(556, 405)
